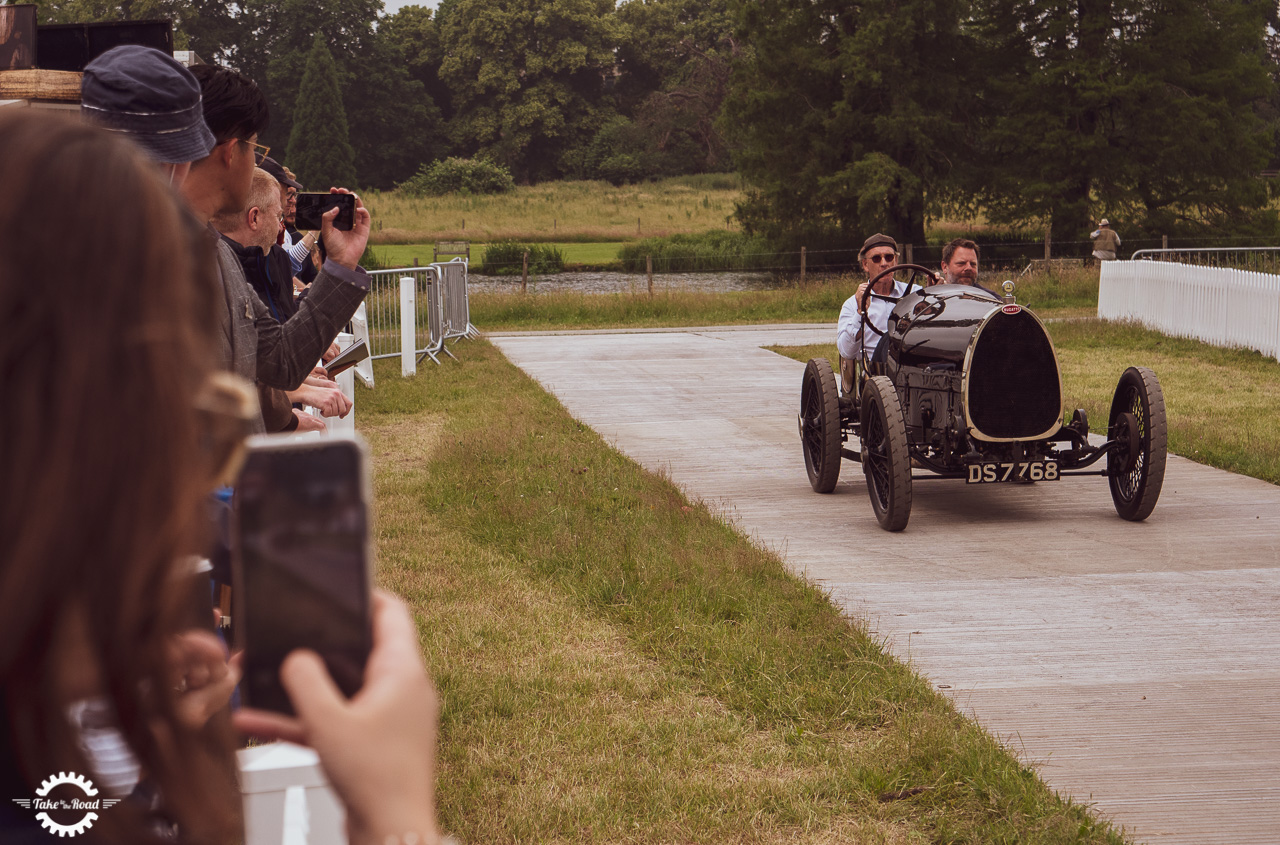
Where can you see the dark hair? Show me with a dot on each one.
(959, 243)
(234, 106)
(99, 510)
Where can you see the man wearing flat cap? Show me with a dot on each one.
(879, 253)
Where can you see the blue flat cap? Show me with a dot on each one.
(152, 98)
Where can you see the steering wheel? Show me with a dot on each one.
(917, 271)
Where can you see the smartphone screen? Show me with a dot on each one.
(312, 206)
(301, 555)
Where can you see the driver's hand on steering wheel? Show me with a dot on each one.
(862, 289)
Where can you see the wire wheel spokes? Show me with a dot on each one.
(876, 457)
(820, 425)
(1139, 429)
(885, 459)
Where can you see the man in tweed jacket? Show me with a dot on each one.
(251, 343)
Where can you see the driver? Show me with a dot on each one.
(879, 253)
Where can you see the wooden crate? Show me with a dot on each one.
(40, 85)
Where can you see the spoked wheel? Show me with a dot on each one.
(820, 425)
(884, 454)
(1137, 422)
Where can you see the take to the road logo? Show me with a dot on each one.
(67, 804)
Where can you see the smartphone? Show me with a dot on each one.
(301, 561)
(311, 207)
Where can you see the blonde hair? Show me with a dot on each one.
(261, 190)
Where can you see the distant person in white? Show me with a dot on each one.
(879, 252)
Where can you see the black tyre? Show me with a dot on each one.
(820, 425)
(1136, 469)
(884, 454)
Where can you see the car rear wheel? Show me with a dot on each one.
(1137, 421)
(885, 460)
(820, 425)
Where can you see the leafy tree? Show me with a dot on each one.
(526, 78)
(1146, 110)
(843, 116)
(319, 149)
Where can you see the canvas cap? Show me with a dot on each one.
(149, 96)
(877, 240)
(273, 167)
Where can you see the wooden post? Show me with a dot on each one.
(524, 274)
(1048, 239)
(1164, 241)
(907, 254)
(803, 255)
(648, 269)
(464, 224)
(415, 262)
(637, 225)
(554, 222)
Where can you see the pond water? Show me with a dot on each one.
(607, 282)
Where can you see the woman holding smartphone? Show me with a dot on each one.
(114, 430)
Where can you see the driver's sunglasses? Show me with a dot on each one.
(882, 258)
(259, 151)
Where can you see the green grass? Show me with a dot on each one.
(1221, 403)
(558, 212)
(618, 665)
(1071, 294)
(579, 254)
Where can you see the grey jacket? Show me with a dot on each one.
(253, 345)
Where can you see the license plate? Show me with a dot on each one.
(998, 471)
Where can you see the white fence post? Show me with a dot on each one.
(347, 384)
(408, 326)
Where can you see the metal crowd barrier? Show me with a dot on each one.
(457, 307)
(434, 297)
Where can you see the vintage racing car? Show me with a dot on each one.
(970, 389)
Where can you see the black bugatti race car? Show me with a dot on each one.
(969, 388)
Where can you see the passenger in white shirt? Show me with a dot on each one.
(878, 253)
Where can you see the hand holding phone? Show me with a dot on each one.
(312, 208)
(301, 562)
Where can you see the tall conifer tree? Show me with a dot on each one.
(319, 145)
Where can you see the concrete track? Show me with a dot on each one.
(1135, 664)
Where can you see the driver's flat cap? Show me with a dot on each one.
(877, 240)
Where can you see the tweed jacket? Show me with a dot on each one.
(253, 345)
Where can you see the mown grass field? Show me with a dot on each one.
(617, 665)
(1221, 403)
(559, 212)
(580, 253)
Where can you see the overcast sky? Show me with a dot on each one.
(393, 6)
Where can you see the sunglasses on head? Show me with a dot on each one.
(882, 257)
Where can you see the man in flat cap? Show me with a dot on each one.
(879, 253)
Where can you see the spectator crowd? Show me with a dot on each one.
(158, 305)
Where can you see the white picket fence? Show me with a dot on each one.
(1218, 305)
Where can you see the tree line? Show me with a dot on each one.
(843, 117)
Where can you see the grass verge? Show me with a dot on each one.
(617, 665)
(1221, 403)
(818, 300)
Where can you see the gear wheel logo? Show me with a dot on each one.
(86, 807)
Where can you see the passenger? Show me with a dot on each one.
(879, 252)
(960, 264)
